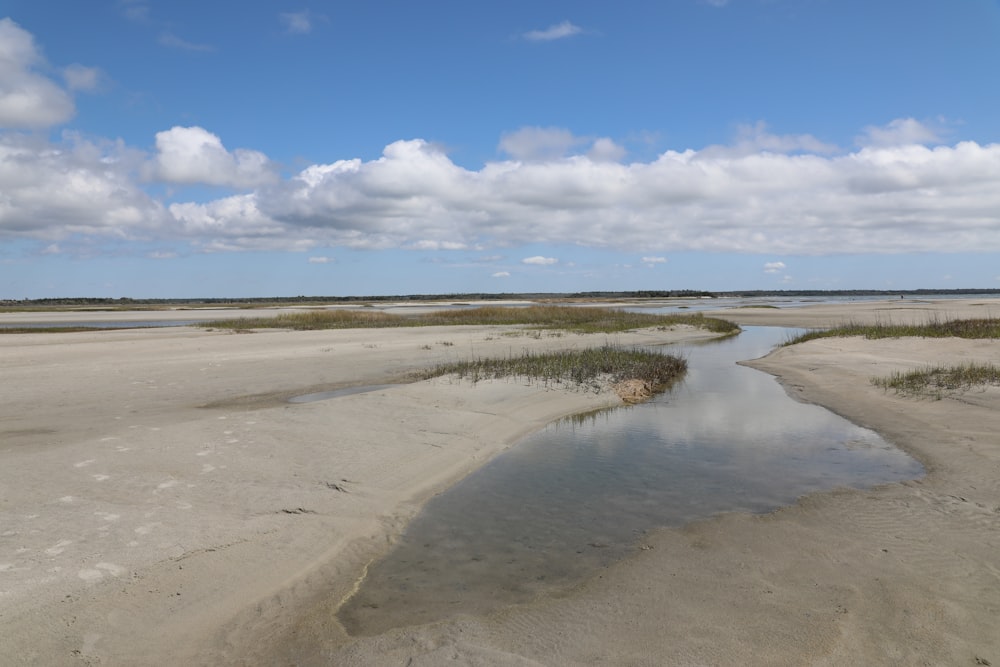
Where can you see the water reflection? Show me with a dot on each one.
(581, 493)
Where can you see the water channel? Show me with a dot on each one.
(581, 493)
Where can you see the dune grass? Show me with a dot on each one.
(967, 328)
(939, 379)
(588, 367)
(567, 318)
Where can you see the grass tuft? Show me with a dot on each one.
(590, 366)
(938, 379)
(969, 328)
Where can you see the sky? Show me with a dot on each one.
(181, 149)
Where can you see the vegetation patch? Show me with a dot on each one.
(597, 367)
(34, 330)
(970, 328)
(567, 318)
(939, 379)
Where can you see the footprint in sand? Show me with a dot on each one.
(58, 547)
(99, 571)
(147, 528)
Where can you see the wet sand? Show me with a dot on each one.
(162, 504)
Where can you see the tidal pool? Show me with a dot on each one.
(580, 494)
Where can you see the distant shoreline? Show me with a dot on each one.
(132, 303)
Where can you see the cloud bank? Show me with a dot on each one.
(902, 197)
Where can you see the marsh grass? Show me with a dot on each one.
(542, 317)
(934, 381)
(591, 367)
(968, 328)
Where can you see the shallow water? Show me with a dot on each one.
(337, 393)
(581, 493)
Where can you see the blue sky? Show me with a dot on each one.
(183, 149)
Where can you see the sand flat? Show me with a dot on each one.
(162, 504)
(161, 501)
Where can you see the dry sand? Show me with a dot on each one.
(162, 504)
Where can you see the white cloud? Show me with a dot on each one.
(427, 244)
(82, 78)
(752, 139)
(173, 41)
(650, 261)
(135, 10)
(606, 150)
(506, 274)
(774, 267)
(540, 261)
(903, 199)
(900, 132)
(27, 98)
(297, 23)
(539, 144)
(194, 155)
(54, 191)
(553, 32)
(889, 199)
(319, 260)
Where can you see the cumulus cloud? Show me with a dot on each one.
(188, 155)
(899, 132)
(28, 99)
(553, 32)
(538, 144)
(506, 274)
(876, 199)
(774, 267)
(76, 187)
(538, 260)
(756, 138)
(650, 261)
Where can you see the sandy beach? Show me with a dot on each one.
(161, 502)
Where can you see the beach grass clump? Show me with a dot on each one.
(592, 366)
(939, 379)
(959, 328)
(568, 318)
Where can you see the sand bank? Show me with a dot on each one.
(162, 503)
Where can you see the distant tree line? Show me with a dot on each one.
(97, 302)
